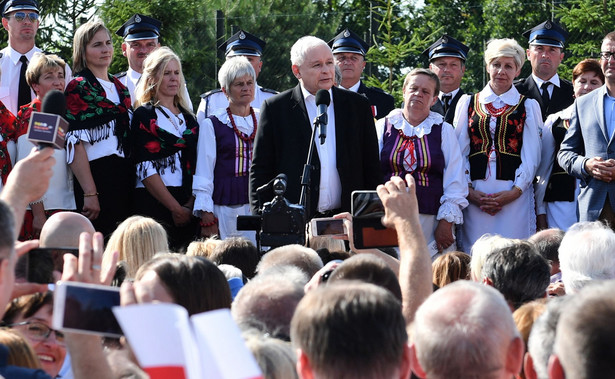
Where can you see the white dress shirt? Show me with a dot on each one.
(330, 191)
(170, 178)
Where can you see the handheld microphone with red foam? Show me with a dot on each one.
(323, 99)
(48, 128)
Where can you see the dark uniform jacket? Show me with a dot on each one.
(383, 102)
(450, 113)
(561, 98)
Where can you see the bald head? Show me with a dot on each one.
(63, 229)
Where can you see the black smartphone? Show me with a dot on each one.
(43, 264)
(86, 308)
(368, 231)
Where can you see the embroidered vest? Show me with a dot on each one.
(561, 186)
(507, 144)
(429, 164)
(233, 159)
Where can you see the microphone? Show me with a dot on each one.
(323, 99)
(48, 128)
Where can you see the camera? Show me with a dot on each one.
(280, 222)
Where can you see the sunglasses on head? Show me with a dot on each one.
(20, 16)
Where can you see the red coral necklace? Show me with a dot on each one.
(240, 134)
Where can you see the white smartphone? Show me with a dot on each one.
(86, 308)
(328, 226)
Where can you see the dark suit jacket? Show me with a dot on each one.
(587, 137)
(450, 113)
(562, 97)
(283, 138)
(383, 102)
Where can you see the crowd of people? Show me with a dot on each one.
(501, 201)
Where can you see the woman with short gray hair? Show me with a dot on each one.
(225, 154)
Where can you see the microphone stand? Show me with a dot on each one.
(306, 177)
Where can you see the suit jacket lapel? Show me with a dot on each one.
(339, 103)
(299, 111)
(534, 92)
(600, 116)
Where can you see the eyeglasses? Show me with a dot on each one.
(606, 55)
(38, 331)
(20, 16)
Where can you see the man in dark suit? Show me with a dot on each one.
(447, 58)
(545, 54)
(588, 150)
(348, 159)
(349, 52)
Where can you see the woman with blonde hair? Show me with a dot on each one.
(164, 147)
(137, 239)
(498, 132)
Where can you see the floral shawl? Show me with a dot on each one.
(23, 117)
(7, 131)
(87, 108)
(152, 143)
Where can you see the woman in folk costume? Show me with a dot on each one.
(416, 140)
(225, 154)
(98, 107)
(45, 73)
(498, 133)
(164, 135)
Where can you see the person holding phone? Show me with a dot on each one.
(418, 141)
(44, 73)
(98, 107)
(164, 143)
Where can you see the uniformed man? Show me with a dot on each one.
(349, 52)
(243, 44)
(545, 54)
(140, 34)
(20, 18)
(447, 58)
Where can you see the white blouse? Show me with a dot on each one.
(170, 177)
(530, 151)
(455, 187)
(203, 181)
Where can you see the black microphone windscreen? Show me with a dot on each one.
(282, 176)
(323, 97)
(54, 102)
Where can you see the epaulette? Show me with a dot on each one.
(120, 74)
(207, 94)
(268, 90)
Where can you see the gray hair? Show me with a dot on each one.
(586, 253)
(300, 49)
(428, 73)
(482, 248)
(236, 67)
(268, 301)
(542, 336)
(505, 47)
(460, 330)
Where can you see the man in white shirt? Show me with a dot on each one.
(345, 162)
(349, 51)
(241, 44)
(545, 54)
(447, 58)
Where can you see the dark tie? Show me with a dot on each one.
(545, 95)
(24, 95)
(446, 100)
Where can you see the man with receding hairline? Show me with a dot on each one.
(62, 229)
